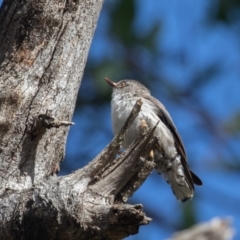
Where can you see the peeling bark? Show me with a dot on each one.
(43, 51)
(44, 47)
(88, 203)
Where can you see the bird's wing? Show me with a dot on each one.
(167, 120)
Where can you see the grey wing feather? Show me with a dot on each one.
(167, 120)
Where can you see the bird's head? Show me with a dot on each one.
(128, 87)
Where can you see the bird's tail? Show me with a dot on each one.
(175, 175)
(182, 191)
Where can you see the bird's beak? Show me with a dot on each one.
(110, 82)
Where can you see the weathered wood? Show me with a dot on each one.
(81, 205)
(44, 47)
(215, 229)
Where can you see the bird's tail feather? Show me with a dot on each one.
(177, 180)
(182, 192)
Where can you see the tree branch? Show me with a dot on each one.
(44, 47)
(82, 205)
(215, 229)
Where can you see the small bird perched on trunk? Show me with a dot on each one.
(169, 153)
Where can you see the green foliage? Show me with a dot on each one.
(189, 217)
(232, 126)
(122, 18)
(226, 9)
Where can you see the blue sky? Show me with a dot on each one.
(186, 32)
(184, 29)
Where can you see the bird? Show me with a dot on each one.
(169, 153)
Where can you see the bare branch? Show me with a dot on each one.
(44, 121)
(108, 154)
(215, 229)
(82, 205)
(50, 122)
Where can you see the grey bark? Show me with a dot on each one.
(43, 51)
(215, 229)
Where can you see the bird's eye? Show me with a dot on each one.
(122, 84)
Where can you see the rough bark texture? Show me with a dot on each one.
(44, 47)
(43, 51)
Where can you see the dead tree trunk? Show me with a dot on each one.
(43, 51)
